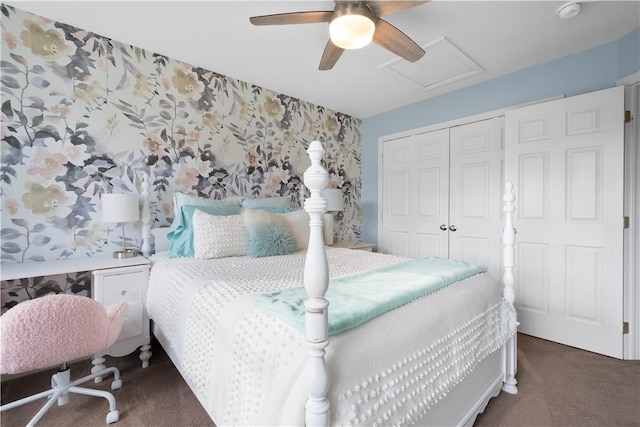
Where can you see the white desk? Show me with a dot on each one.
(12, 271)
(113, 280)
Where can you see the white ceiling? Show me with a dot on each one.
(499, 36)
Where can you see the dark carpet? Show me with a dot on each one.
(558, 386)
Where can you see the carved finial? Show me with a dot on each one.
(508, 198)
(315, 177)
(315, 151)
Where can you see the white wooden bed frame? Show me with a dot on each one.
(466, 400)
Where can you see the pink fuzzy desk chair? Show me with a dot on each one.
(54, 330)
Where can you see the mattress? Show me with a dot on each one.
(248, 368)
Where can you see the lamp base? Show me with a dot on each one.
(127, 253)
(327, 225)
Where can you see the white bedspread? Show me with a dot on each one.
(247, 367)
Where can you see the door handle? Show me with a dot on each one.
(443, 227)
(453, 228)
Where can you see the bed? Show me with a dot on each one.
(253, 343)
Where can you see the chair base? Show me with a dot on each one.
(61, 386)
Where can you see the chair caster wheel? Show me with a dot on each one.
(116, 384)
(113, 417)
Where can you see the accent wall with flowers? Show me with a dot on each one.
(84, 115)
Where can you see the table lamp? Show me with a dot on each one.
(121, 208)
(335, 203)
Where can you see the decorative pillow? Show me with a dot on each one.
(269, 234)
(269, 202)
(218, 236)
(181, 199)
(181, 232)
(299, 222)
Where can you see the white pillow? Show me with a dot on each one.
(216, 236)
(299, 222)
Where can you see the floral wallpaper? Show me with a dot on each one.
(83, 115)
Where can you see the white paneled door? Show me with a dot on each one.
(416, 195)
(475, 208)
(441, 194)
(565, 159)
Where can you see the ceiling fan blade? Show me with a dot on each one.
(394, 40)
(292, 18)
(384, 8)
(330, 56)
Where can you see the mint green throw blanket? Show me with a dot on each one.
(356, 298)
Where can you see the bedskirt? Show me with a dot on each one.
(248, 367)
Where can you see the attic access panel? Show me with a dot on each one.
(442, 64)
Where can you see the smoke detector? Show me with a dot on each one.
(569, 10)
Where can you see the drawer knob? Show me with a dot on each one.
(123, 293)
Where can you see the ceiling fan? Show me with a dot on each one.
(352, 25)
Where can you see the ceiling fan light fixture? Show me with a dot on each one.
(352, 26)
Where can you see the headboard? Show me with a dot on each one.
(160, 239)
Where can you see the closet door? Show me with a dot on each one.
(442, 193)
(476, 183)
(416, 195)
(565, 159)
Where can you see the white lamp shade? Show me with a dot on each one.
(333, 196)
(120, 208)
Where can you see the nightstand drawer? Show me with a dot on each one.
(127, 288)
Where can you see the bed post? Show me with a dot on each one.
(316, 281)
(146, 216)
(508, 261)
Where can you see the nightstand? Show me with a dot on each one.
(354, 245)
(114, 280)
(125, 283)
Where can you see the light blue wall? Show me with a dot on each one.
(586, 71)
(629, 53)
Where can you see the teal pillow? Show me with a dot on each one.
(180, 234)
(269, 234)
(181, 199)
(268, 202)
